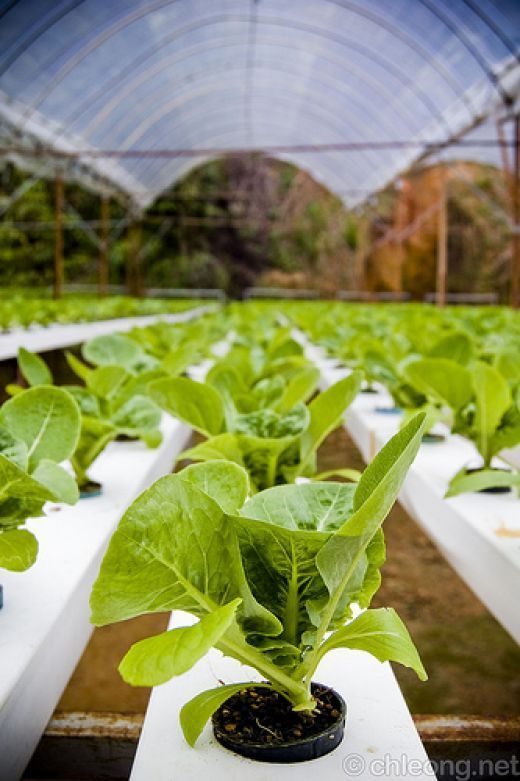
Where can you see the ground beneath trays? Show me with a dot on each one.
(473, 664)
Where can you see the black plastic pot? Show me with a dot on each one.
(497, 489)
(293, 750)
(431, 439)
(368, 389)
(90, 490)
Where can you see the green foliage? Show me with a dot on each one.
(113, 402)
(459, 365)
(276, 443)
(266, 580)
(39, 428)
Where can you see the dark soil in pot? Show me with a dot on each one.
(432, 439)
(90, 490)
(497, 489)
(260, 724)
(369, 389)
(125, 438)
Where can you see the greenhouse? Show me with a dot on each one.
(260, 390)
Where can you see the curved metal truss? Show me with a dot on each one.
(78, 77)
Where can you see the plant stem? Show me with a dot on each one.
(296, 691)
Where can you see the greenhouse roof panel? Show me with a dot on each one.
(184, 80)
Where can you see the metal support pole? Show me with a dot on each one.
(442, 244)
(103, 250)
(58, 237)
(515, 202)
(400, 223)
(133, 279)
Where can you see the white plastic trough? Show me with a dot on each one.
(478, 533)
(379, 728)
(39, 338)
(44, 624)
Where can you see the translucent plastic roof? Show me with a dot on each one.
(168, 78)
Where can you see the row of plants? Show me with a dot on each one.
(276, 563)
(460, 366)
(42, 425)
(19, 310)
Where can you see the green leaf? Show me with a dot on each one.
(263, 436)
(225, 380)
(507, 434)
(327, 411)
(493, 397)
(18, 550)
(441, 380)
(382, 634)
(152, 438)
(309, 507)
(216, 448)
(107, 381)
(300, 388)
(33, 368)
(94, 437)
(457, 347)
(178, 359)
(47, 419)
(113, 350)
(196, 713)
(139, 413)
(15, 482)
(508, 365)
(155, 660)
(87, 402)
(197, 404)
(382, 479)
(341, 556)
(174, 549)
(349, 474)
(280, 532)
(268, 424)
(225, 482)
(57, 480)
(13, 449)
(79, 368)
(464, 483)
(12, 390)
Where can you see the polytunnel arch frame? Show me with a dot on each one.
(341, 40)
(157, 4)
(495, 64)
(93, 38)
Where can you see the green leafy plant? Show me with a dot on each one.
(276, 443)
(492, 421)
(18, 308)
(113, 403)
(273, 581)
(39, 428)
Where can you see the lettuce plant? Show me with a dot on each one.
(39, 428)
(483, 408)
(492, 422)
(273, 581)
(275, 443)
(113, 403)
